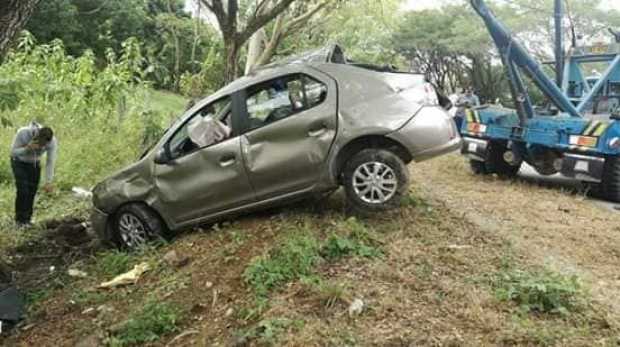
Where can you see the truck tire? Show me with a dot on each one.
(375, 181)
(135, 225)
(479, 167)
(609, 188)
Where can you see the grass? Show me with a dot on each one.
(294, 259)
(151, 323)
(169, 104)
(540, 291)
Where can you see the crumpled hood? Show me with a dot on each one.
(131, 183)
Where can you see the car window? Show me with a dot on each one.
(280, 98)
(210, 125)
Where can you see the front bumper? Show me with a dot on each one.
(475, 149)
(430, 133)
(99, 222)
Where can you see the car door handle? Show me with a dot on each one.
(318, 132)
(227, 161)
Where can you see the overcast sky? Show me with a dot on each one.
(426, 4)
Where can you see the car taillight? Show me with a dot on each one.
(430, 95)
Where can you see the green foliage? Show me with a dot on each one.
(113, 263)
(151, 323)
(295, 258)
(209, 79)
(542, 291)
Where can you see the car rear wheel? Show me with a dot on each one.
(375, 180)
(136, 225)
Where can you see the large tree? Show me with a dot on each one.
(265, 42)
(13, 16)
(238, 26)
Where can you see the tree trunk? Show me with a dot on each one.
(232, 60)
(13, 16)
(255, 49)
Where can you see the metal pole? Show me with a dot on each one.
(559, 42)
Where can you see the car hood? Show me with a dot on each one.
(133, 183)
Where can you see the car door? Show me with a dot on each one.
(201, 178)
(290, 124)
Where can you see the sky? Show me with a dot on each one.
(426, 4)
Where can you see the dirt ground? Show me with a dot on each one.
(429, 288)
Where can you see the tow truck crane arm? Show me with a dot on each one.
(515, 59)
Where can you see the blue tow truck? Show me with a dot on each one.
(577, 134)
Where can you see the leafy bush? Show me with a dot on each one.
(155, 320)
(294, 259)
(102, 116)
(542, 291)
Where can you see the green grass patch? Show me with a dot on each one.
(150, 324)
(338, 246)
(294, 259)
(113, 263)
(540, 291)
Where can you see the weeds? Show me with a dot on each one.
(294, 259)
(542, 291)
(154, 321)
(266, 331)
(113, 263)
(338, 246)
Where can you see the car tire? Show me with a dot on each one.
(375, 181)
(136, 225)
(609, 188)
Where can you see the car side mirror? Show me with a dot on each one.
(162, 156)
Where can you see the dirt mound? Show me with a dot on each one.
(61, 243)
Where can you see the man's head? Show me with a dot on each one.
(45, 135)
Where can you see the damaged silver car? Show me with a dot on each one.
(291, 130)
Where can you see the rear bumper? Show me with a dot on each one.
(99, 222)
(583, 167)
(430, 133)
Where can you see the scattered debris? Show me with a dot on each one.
(173, 259)
(77, 273)
(356, 307)
(209, 285)
(81, 193)
(182, 335)
(459, 247)
(130, 277)
(230, 312)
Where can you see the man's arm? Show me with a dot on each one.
(52, 153)
(20, 143)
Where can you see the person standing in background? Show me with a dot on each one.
(30, 144)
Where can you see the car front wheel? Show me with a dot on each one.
(136, 225)
(375, 180)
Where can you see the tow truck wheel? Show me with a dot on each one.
(610, 185)
(496, 162)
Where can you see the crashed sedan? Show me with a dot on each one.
(302, 127)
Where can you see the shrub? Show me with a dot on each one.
(542, 291)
